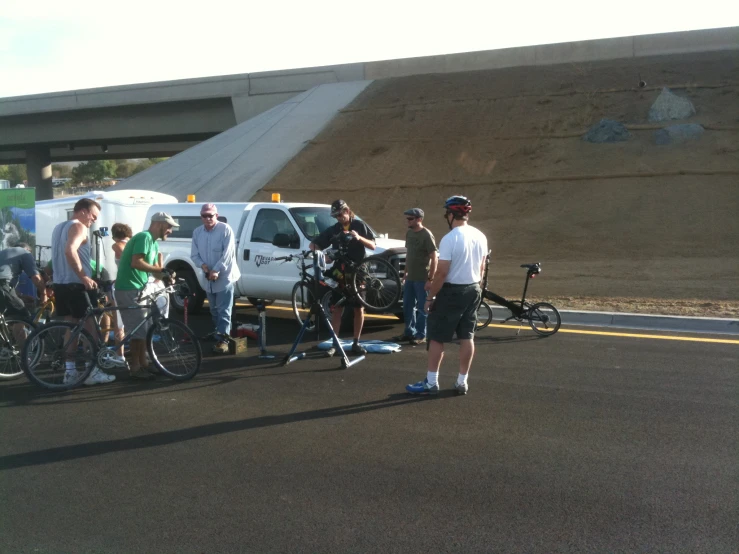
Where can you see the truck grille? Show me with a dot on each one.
(398, 261)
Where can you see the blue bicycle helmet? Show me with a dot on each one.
(458, 205)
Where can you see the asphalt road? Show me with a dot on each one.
(574, 443)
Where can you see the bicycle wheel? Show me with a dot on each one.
(302, 299)
(11, 346)
(174, 349)
(543, 318)
(377, 284)
(47, 362)
(484, 316)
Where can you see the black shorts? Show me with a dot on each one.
(72, 300)
(454, 312)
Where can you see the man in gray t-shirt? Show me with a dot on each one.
(420, 266)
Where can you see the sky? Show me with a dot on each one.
(53, 45)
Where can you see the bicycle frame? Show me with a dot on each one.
(516, 307)
(4, 330)
(154, 314)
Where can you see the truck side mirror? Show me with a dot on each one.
(281, 240)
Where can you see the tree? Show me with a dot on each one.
(61, 171)
(146, 164)
(14, 173)
(94, 171)
(125, 168)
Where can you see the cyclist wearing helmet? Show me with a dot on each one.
(454, 295)
(357, 236)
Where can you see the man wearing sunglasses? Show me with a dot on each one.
(420, 267)
(214, 251)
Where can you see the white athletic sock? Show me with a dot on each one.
(69, 365)
(432, 377)
(462, 379)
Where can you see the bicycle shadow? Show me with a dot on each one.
(152, 440)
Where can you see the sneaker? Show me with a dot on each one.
(402, 338)
(330, 352)
(221, 348)
(71, 376)
(417, 341)
(461, 389)
(118, 361)
(97, 377)
(358, 349)
(422, 387)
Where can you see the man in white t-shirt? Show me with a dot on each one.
(454, 296)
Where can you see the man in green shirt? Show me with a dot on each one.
(139, 259)
(420, 266)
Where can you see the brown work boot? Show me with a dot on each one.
(221, 348)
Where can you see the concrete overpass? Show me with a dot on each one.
(161, 119)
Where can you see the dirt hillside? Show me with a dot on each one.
(629, 226)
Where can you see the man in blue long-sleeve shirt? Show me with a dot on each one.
(214, 252)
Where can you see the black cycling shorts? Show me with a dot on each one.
(72, 300)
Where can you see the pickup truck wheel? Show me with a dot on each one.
(195, 303)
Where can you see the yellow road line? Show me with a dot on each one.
(563, 330)
(631, 335)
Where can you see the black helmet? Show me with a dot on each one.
(337, 207)
(458, 204)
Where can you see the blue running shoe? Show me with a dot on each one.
(422, 387)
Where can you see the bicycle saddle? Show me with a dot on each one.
(532, 268)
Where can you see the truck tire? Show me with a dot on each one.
(253, 300)
(195, 303)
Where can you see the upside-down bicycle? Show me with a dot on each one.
(172, 345)
(542, 317)
(374, 283)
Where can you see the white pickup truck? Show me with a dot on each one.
(256, 224)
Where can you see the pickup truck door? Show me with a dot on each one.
(260, 276)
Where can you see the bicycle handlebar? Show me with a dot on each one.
(291, 257)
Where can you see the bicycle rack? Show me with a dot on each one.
(317, 310)
(262, 318)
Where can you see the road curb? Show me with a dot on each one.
(646, 322)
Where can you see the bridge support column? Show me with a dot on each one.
(38, 166)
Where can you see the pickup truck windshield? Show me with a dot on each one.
(313, 220)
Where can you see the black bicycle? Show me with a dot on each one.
(60, 355)
(542, 317)
(374, 282)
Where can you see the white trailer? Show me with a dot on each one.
(119, 206)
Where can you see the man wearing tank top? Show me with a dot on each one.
(70, 255)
